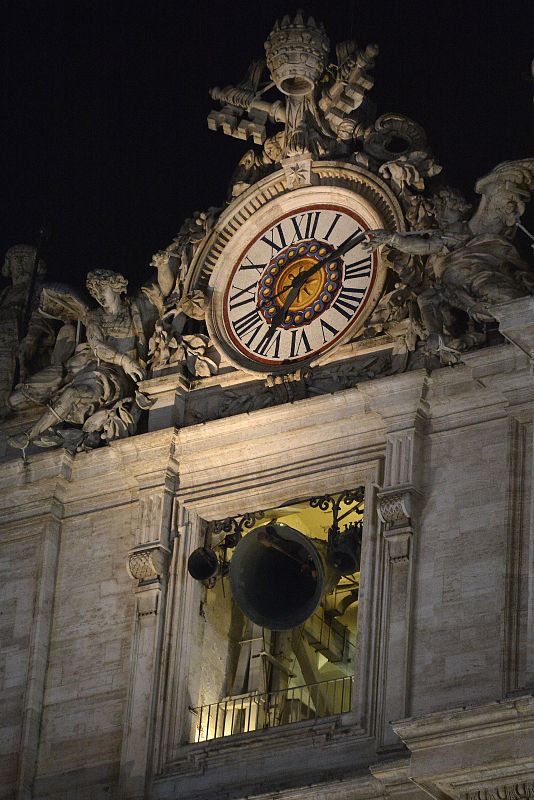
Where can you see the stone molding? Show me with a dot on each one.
(475, 753)
(516, 791)
(394, 777)
(515, 323)
(453, 726)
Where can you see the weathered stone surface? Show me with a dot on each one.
(108, 645)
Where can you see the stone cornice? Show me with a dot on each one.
(490, 381)
(328, 737)
(458, 725)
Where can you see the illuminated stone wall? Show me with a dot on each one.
(99, 667)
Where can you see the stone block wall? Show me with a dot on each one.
(458, 610)
(18, 582)
(87, 676)
(97, 669)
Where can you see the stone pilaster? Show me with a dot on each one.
(397, 501)
(49, 524)
(147, 563)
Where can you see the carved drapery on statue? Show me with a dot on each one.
(83, 364)
(468, 263)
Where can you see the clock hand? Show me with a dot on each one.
(280, 315)
(350, 242)
(282, 290)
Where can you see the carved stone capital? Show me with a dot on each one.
(147, 562)
(395, 507)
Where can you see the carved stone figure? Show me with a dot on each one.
(324, 107)
(168, 347)
(98, 386)
(183, 248)
(31, 347)
(472, 263)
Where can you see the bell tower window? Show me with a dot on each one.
(278, 624)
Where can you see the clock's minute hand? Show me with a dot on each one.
(354, 239)
(300, 280)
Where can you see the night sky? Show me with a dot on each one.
(105, 102)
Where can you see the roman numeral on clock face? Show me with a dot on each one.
(269, 344)
(247, 322)
(275, 238)
(242, 296)
(348, 301)
(249, 264)
(305, 225)
(325, 326)
(299, 340)
(358, 269)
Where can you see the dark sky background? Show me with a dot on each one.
(105, 102)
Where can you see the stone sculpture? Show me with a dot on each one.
(30, 347)
(446, 270)
(471, 261)
(324, 110)
(96, 387)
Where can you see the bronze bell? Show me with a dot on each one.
(344, 550)
(278, 576)
(203, 564)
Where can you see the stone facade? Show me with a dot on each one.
(159, 416)
(99, 669)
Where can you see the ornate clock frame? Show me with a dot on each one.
(347, 185)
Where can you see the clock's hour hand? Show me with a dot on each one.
(350, 242)
(280, 315)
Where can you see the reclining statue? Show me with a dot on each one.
(94, 384)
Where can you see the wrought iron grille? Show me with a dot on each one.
(256, 711)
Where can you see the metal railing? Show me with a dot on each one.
(332, 639)
(256, 711)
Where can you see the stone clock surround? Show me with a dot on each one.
(149, 497)
(348, 185)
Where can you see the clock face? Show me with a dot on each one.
(290, 296)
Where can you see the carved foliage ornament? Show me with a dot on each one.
(516, 791)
